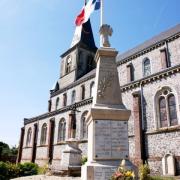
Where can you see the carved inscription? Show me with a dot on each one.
(111, 139)
(103, 173)
(104, 83)
(106, 77)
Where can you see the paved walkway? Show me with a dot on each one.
(43, 177)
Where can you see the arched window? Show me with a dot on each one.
(28, 139)
(73, 97)
(91, 88)
(82, 92)
(167, 113)
(62, 130)
(162, 112)
(172, 110)
(64, 99)
(57, 103)
(43, 134)
(84, 125)
(68, 64)
(146, 67)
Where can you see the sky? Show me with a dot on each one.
(34, 33)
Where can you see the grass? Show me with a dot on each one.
(161, 178)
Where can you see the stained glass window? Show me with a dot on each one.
(62, 130)
(172, 110)
(163, 112)
(43, 134)
(28, 140)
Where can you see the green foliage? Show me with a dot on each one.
(3, 171)
(144, 172)
(161, 178)
(84, 160)
(13, 170)
(7, 153)
(28, 169)
(43, 169)
(9, 170)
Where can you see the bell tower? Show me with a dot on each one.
(79, 59)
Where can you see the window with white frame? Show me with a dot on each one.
(68, 64)
(82, 92)
(28, 139)
(91, 88)
(57, 103)
(73, 97)
(61, 130)
(146, 67)
(166, 110)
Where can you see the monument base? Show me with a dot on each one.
(102, 170)
(71, 159)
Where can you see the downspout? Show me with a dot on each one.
(143, 146)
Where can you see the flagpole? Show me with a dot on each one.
(101, 16)
(101, 20)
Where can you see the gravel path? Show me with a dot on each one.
(44, 177)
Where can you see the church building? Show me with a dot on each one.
(149, 76)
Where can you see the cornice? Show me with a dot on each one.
(148, 49)
(73, 85)
(149, 79)
(59, 111)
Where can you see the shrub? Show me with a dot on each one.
(28, 169)
(8, 171)
(13, 170)
(43, 169)
(3, 171)
(83, 160)
(144, 172)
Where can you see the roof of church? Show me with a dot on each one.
(156, 39)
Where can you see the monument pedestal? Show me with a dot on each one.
(108, 118)
(71, 159)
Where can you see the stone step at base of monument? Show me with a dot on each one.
(74, 171)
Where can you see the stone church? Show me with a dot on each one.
(149, 76)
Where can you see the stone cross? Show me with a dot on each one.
(105, 31)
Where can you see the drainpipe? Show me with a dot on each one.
(143, 150)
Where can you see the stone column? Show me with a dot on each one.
(20, 146)
(137, 116)
(51, 140)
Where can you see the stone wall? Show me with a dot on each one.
(158, 141)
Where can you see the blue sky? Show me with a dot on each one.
(33, 34)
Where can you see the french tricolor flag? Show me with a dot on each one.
(86, 11)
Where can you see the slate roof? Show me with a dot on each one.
(156, 39)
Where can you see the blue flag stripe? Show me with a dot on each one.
(97, 4)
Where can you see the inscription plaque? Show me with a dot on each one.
(111, 139)
(103, 173)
